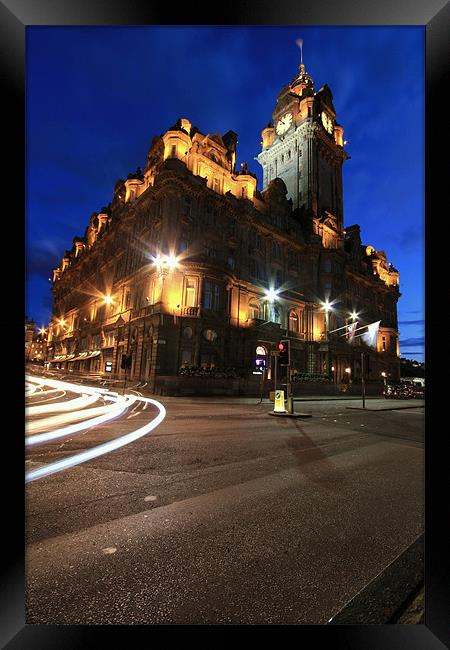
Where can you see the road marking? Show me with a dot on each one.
(109, 550)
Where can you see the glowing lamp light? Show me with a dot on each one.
(62, 322)
(171, 261)
(272, 294)
(354, 315)
(326, 305)
(165, 261)
(383, 374)
(108, 300)
(347, 370)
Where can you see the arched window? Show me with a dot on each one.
(293, 321)
(276, 314)
(261, 351)
(253, 309)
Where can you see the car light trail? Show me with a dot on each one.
(65, 418)
(80, 426)
(102, 449)
(73, 404)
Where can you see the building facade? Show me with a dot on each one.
(191, 266)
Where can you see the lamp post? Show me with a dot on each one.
(327, 309)
(271, 296)
(164, 264)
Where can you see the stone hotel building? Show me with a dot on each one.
(192, 266)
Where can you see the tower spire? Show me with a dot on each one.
(299, 42)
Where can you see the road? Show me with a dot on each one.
(221, 514)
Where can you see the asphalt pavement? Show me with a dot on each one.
(223, 514)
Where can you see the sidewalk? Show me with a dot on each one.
(373, 403)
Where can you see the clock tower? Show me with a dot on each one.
(303, 145)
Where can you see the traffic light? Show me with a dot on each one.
(284, 348)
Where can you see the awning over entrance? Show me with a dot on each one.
(61, 357)
(85, 355)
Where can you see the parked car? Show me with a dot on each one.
(415, 386)
(396, 390)
(418, 392)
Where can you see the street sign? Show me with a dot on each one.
(108, 366)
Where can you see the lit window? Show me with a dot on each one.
(210, 335)
(293, 321)
(189, 299)
(253, 310)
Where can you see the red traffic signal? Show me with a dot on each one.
(285, 356)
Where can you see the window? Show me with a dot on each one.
(276, 315)
(244, 193)
(189, 292)
(276, 250)
(210, 335)
(216, 184)
(293, 321)
(293, 258)
(186, 206)
(211, 295)
(327, 265)
(182, 246)
(231, 263)
(187, 332)
(173, 152)
(207, 360)
(254, 311)
(186, 357)
(278, 278)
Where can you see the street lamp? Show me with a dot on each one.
(271, 294)
(384, 375)
(327, 308)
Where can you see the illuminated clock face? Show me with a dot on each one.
(284, 123)
(327, 122)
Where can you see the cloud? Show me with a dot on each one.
(412, 322)
(408, 343)
(42, 258)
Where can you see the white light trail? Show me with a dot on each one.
(100, 450)
(108, 412)
(85, 424)
(71, 405)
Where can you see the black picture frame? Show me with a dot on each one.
(434, 15)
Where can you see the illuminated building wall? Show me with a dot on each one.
(177, 269)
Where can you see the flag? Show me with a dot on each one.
(351, 331)
(370, 337)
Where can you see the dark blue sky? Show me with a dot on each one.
(97, 95)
